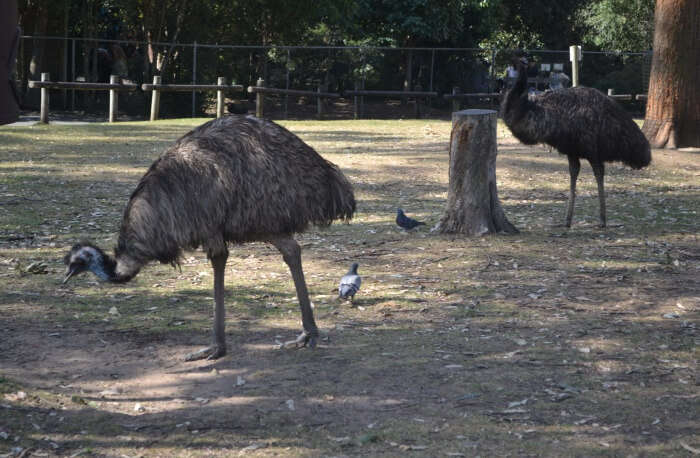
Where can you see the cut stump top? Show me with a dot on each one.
(473, 112)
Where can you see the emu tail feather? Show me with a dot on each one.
(642, 158)
(341, 202)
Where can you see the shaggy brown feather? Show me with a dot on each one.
(234, 179)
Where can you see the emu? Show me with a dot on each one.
(581, 123)
(235, 179)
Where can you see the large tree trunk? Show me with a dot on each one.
(9, 108)
(673, 104)
(473, 207)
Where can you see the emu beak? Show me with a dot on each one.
(69, 273)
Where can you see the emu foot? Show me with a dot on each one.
(304, 339)
(213, 352)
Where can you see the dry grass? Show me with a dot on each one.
(550, 342)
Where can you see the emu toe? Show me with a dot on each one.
(213, 352)
(309, 339)
(305, 339)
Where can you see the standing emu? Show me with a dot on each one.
(581, 123)
(234, 179)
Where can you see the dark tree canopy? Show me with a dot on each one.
(510, 23)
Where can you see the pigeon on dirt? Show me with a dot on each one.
(405, 222)
(349, 284)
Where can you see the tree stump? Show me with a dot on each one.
(473, 207)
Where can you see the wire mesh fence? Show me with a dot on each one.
(328, 68)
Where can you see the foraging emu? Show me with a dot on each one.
(234, 179)
(581, 123)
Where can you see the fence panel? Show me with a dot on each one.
(335, 69)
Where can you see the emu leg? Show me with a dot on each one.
(599, 172)
(574, 169)
(218, 348)
(291, 253)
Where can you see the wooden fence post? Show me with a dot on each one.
(356, 102)
(611, 91)
(155, 99)
(455, 100)
(113, 99)
(44, 110)
(362, 100)
(406, 88)
(418, 88)
(319, 102)
(220, 81)
(574, 57)
(259, 99)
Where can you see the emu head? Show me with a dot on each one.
(520, 61)
(82, 257)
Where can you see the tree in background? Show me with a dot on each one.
(673, 105)
(9, 38)
(624, 25)
(411, 23)
(517, 24)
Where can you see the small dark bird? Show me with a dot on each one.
(405, 222)
(581, 123)
(350, 284)
(235, 179)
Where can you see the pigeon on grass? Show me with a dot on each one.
(405, 222)
(349, 284)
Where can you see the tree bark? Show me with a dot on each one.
(473, 207)
(9, 108)
(673, 103)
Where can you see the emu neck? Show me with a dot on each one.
(125, 269)
(520, 85)
(119, 270)
(516, 96)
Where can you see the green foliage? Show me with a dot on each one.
(531, 24)
(626, 25)
(625, 80)
(616, 24)
(413, 22)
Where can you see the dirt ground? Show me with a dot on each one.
(551, 342)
